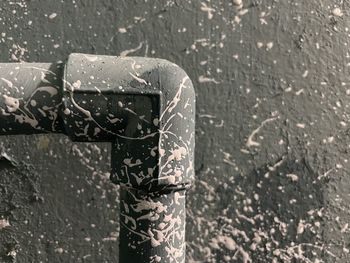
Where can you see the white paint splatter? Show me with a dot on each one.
(128, 51)
(293, 177)
(203, 79)
(301, 125)
(269, 45)
(207, 9)
(52, 16)
(4, 223)
(250, 141)
(337, 12)
(139, 79)
(11, 103)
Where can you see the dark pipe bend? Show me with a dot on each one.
(145, 107)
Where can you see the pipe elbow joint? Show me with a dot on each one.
(145, 107)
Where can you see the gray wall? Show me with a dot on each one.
(272, 170)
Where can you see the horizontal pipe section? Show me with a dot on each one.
(30, 98)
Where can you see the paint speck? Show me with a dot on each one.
(237, 20)
(243, 12)
(66, 111)
(299, 92)
(238, 2)
(305, 73)
(301, 227)
(132, 50)
(77, 84)
(344, 228)
(337, 12)
(208, 9)
(52, 16)
(141, 80)
(12, 254)
(250, 141)
(9, 83)
(59, 250)
(269, 45)
(204, 79)
(301, 125)
(330, 139)
(12, 104)
(156, 122)
(229, 243)
(4, 223)
(293, 177)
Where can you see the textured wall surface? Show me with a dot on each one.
(272, 136)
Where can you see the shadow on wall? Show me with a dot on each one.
(274, 214)
(53, 210)
(18, 188)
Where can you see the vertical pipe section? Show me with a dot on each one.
(30, 98)
(152, 226)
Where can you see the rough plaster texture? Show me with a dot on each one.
(272, 171)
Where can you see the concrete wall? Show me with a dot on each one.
(272, 170)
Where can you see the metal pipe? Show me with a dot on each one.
(152, 228)
(30, 98)
(145, 107)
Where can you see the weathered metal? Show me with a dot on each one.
(145, 107)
